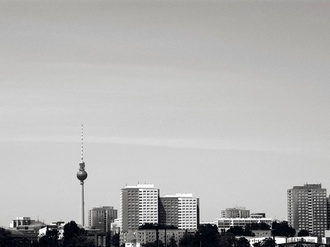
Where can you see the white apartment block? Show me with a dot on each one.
(183, 209)
(148, 205)
(138, 205)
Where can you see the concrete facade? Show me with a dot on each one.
(307, 208)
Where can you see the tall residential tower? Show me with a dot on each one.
(138, 205)
(179, 210)
(307, 208)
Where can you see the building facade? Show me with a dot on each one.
(138, 205)
(239, 212)
(179, 210)
(226, 223)
(101, 218)
(166, 236)
(21, 221)
(307, 208)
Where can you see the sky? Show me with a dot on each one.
(228, 100)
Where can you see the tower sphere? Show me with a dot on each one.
(82, 174)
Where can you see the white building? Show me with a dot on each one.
(237, 212)
(179, 210)
(138, 205)
(226, 223)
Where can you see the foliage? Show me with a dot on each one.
(50, 239)
(240, 231)
(187, 240)
(208, 235)
(242, 242)
(74, 236)
(303, 233)
(154, 244)
(268, 242)
(227, 239)
(282, 229)
(148, 226)
(115, 240)
(172, 242)
(5, 237)
(258, 226)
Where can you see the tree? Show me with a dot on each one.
(154, 244)
(303, 233)
(50, 239)
(227, 239)
(5, 237)
(242, 242)
(268, 242)
(282, 229)
(74, 236)
(115, 242)
(207, 236)
(172, 242)
(258, 226)
(187, 240)
(240, 231)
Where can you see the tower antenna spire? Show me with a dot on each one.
(82, 143)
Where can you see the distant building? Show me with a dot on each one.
(165, 235)
(138, 205)
(21, 221)
(101, 218)
(179, 210)
(307, 208)
(141, 204)
(59, 225)
(258, 215)
(239, 212)
(30, 228)
(226, 223)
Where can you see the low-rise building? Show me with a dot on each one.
(226, 223)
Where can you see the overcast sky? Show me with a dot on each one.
(228, 100)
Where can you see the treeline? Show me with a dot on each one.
(209, 236)
(73, 236)
(206, 236)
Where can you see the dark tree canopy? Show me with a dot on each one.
(115, 240)
(240, 231)
(148, 226)
(282, 229)
(74, 236)
(50, 239)
(207, 235)
(242, 242)
(303, 233)
(268, 242)
(258, 226)
(187, 240)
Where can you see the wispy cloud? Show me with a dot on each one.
(248, 145)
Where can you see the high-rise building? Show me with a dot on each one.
(101, 218)
(179, 210)
(138, 205)
(307, 208)
(238, 212)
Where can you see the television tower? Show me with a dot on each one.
(82, 175)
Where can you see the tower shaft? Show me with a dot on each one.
(82, 205)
